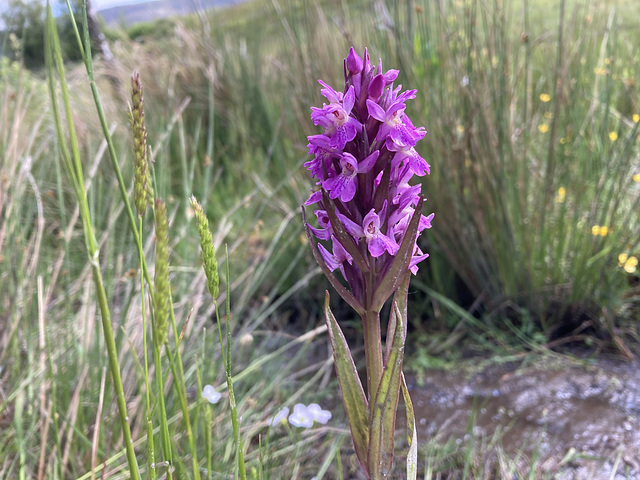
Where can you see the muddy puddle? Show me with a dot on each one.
(579, 418)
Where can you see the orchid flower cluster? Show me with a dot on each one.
(369, 218)
(364, 162)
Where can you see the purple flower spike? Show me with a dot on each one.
(369, 220)
(364, 162)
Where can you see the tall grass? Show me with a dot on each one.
(521, 103)
(517, 184)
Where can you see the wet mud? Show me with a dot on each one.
(579, 419)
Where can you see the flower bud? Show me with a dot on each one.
(354, 62)
(376, 87)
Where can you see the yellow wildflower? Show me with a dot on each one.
(545, 97)
(613, 136)
(636, 178)
(543, 128)
(631, 264)
(460, 129)
(599, 231)
(636, 118)
(560, 196)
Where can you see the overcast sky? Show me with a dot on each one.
(98, 4)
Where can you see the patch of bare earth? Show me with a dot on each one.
(579, 419)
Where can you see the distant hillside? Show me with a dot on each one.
(152, 10)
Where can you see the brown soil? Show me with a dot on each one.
(579, 418)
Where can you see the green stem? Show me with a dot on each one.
(74, 170)
(150, 446)
(178, 375)
(232, 399)
(372, 351)
(164, 426)
(85, 48)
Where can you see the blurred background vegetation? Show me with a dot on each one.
(532, 111)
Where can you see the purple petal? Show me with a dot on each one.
(376, 87)
(376, 111)
(425, 222)
(352, 227)
(329, 93)
(315, 197)
(349, 100)
(348, 190)
(339, 251)
(390, 76)
(329, 259)
(320, 233)
(380, 243)
(367, 164)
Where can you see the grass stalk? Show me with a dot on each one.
(74, 170)
(151, 457)
(227, 371)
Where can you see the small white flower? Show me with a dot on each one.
(301, 417)
(209, 393)
(279, 417)
(318, 414)
(465, 81)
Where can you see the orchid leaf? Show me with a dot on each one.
(400, 266)
(355, 401)
(399, 299)
(346, 295)
(412, 437)
(383, 408)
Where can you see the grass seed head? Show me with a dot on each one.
(208, 250)
(161, 279)
(142, 189)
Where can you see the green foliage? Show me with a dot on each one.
(500, 155)
(505, 240)
(24, 26)
(151, 31)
